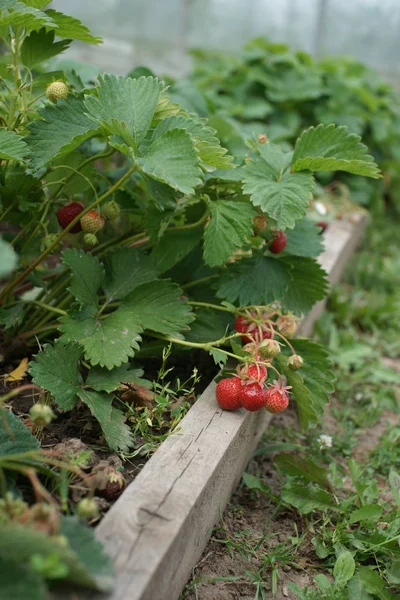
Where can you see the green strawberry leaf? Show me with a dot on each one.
(313, 383)
(12, 146)
(83, 555)
(87, 277)
(296, 282)
(164, 198)
(89, 551)
(230, 228)
(16, 14)
(125, 107)
(304, 239)
(103, 380)
(309, 284)
(158, 306)
(11, 317)
(37, 3)
(69, 27)
(19, 582)
(209, 148)
(126, 269)
(56, 369)
(107, 342)
(308, 416)
(331, 148)
(78, 182)
(63, 128)
(257, 280)
(282, 195)
(39, 46)
(209, 325)
(220, 358)
(21, 441)
(316, 371)
(112, 421)
(294, 85)
(174, 246)
(172, 159)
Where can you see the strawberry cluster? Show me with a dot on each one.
(237, 392)
(90, 223)
(249, 387)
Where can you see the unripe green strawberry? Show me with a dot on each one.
(48, 241)
(111, 210)
(60, 540)
(57, 91)
(259, 224)
(90, 239)
(252, 348)
(92, 222)
(41, 414)
(269, 348)
(287, 326)
(295, 362)
(87, 508)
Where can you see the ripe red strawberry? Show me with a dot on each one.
(256, 332)
(228, 393)
(277, 398)
(67, 213)
(278, 243)
(323, 225)
(253, 396)
(253, 373)
(241, 324)
(92, 222)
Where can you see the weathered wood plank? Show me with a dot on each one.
(157, 530)
(341, 240)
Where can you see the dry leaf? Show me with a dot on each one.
(137, 395)
(19, 373)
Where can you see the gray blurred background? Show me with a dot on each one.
(158, 33)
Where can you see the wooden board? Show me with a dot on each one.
(159, 527)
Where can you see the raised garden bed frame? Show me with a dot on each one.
(157, 530)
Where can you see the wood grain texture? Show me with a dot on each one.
(159, 527)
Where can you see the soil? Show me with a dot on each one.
(251, 516)
(77, 430)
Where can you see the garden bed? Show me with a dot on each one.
(157, 530)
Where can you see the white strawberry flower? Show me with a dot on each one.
(320, 208)
(324, 441)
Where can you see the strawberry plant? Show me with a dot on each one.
(128, 228)
(40, 546)
(273, 90)
(125, 220)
